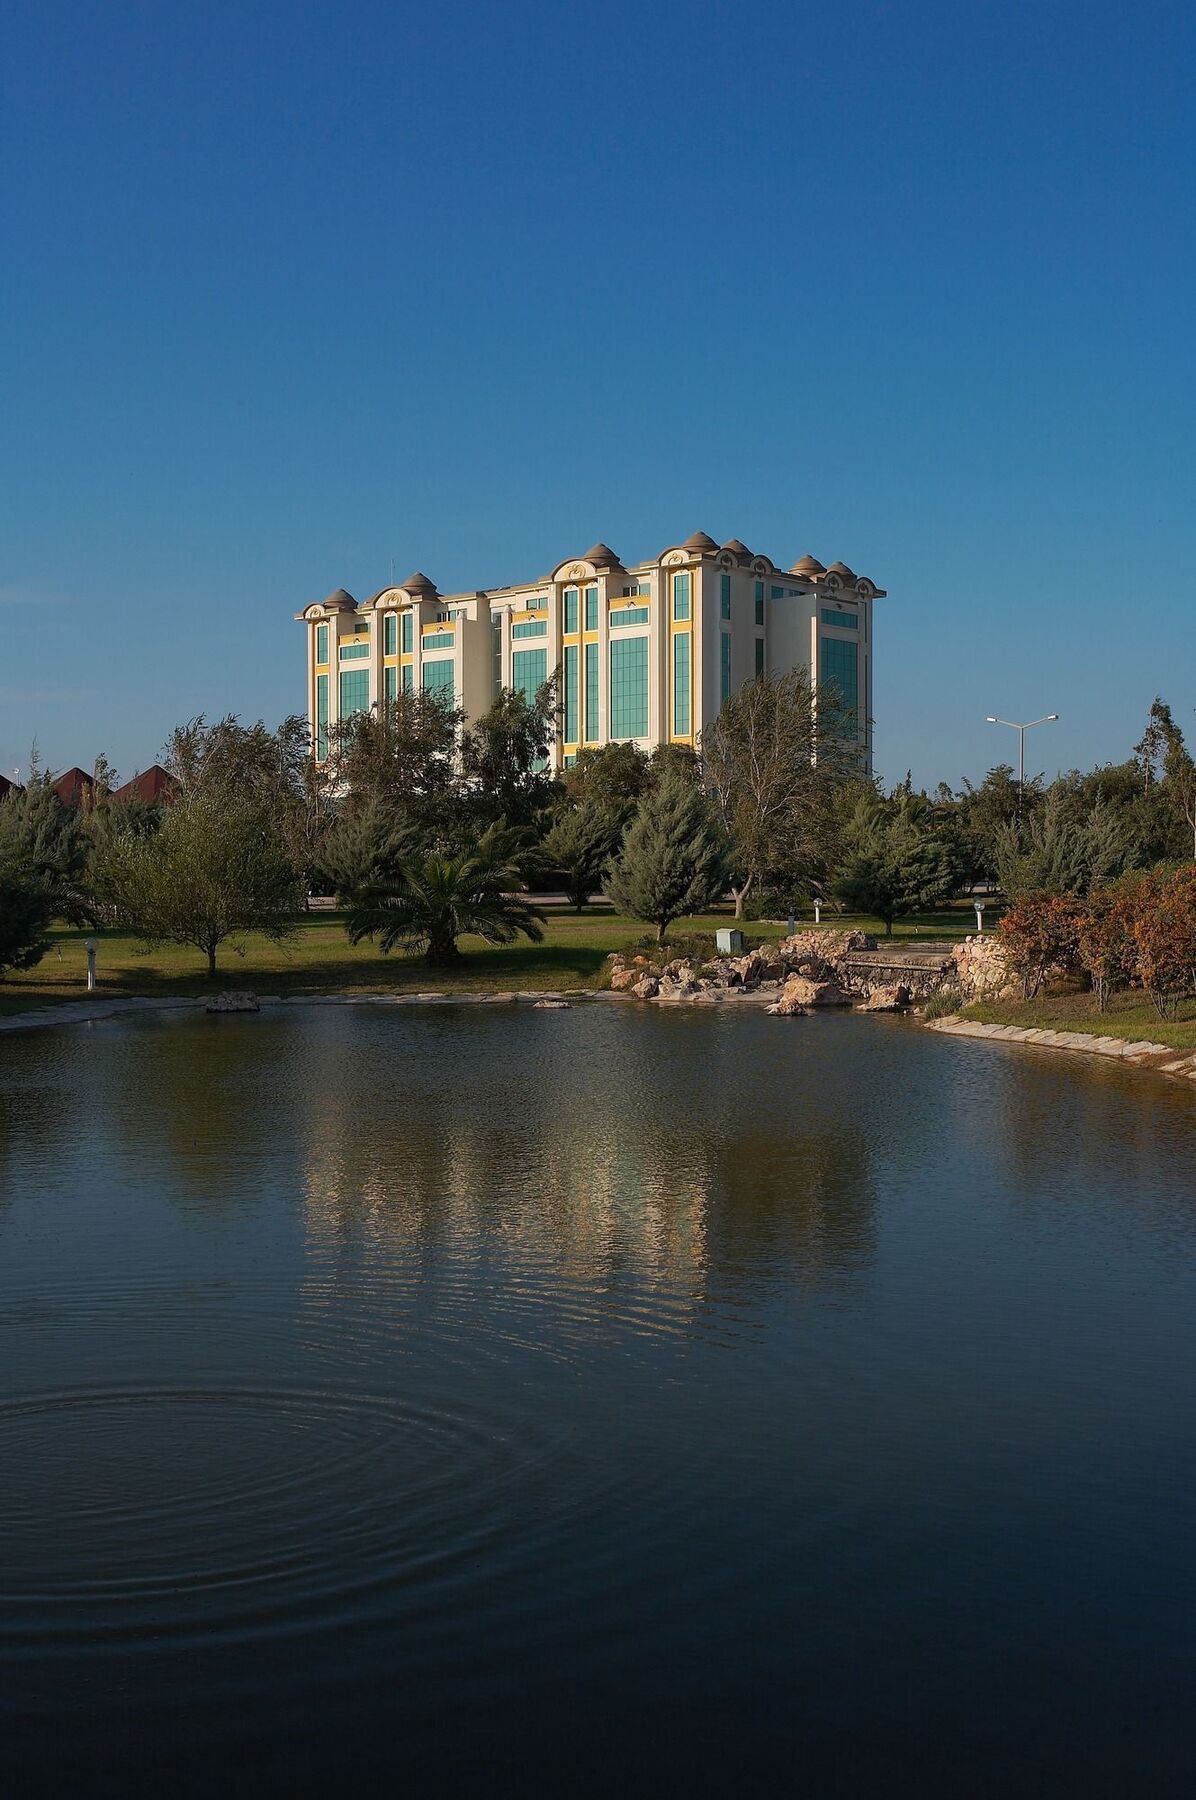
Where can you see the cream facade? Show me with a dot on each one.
(645, 654)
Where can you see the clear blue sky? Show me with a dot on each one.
(292, 291)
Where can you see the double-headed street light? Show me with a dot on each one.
(1021, 742)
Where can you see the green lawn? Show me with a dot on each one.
(1129, 1016)
(320, 960)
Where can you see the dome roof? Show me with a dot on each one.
(737, 547)
(601, 555)
(341, 598)
(841, 569)
(418, 583)
(808, 565)
(699, 541)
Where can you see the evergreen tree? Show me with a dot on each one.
(674, 858)
(44, 838)
(25, 914)
(580, 844)
(895, 859)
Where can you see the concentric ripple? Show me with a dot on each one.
(172, 1510)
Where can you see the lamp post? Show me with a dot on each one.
(1021, 730)
(979, 905)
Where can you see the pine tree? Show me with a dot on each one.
(674, 859)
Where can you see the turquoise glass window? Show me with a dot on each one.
(355, 692)
(681, 595)
(438, 640)
(390, 680)
(847, 621)
(840, 668)
(591, 692)
(496, 651)
(529, 671)
(408, 678)
(724, 597)
(390, 635)
(571, 614)
(760, 602)
(321, 643)
(438, 678)
(407, 633)
(321, 716)
(629, 615)
(354, 652)
(530, 628)
(724, 667)
(759, 658)
(776, 593)
(681, 685)
(570, 696)
(629, 687)
(571, 759)
(591, 609)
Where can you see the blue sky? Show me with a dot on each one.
(294, 292)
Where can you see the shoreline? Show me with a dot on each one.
(1155, 1059)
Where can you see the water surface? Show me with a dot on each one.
(594, 1401)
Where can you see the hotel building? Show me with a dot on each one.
(646, 654)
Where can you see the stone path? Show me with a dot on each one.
(1162, 1058)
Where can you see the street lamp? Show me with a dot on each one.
(1021, 742)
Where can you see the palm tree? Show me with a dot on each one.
(426, 901)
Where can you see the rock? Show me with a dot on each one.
(773, 969)
(788, 1006)
(887, 999)
(623, 979)
(982, 972)
(646, 988)
(828, 948)
(800, 992)
(234, 1000)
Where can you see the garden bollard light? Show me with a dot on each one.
(792, 924)
(818, 912)
(979, 905)
(90, 947)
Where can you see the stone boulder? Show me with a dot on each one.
(887, 999)
(646, 988)
(624, 978)
(789, 1006)
(800, 991)
(234, 1000)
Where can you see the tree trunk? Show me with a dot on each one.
(661, 928)
(739, 895)
(211, 962)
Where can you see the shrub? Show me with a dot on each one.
(1106, 941)
(1039, 937)
(1165, 934)
(945, 1001)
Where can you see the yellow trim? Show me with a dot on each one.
(323, 668)
(390, 662)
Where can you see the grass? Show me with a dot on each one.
(1129, 1015)
(320, 960)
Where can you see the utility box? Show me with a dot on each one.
(729, 943)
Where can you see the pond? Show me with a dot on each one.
(614, 1399)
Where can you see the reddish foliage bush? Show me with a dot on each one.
(1040, 936)
(1165, 936)
(1107, 943)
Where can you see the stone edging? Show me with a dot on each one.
(1162, 1059)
